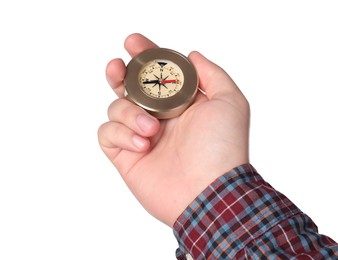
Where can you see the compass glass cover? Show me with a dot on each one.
(161, 79)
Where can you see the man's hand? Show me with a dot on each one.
(168, 163)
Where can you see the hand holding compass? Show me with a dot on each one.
(167, 163)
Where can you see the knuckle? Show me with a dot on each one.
(123, 109)
(117, 106)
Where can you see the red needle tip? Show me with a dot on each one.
(168, 81)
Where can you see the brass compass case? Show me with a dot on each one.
(162, 81)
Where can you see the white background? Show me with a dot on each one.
(60, 198)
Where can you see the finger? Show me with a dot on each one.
(116, 69)
(213, 80)
(114, 135)
(135, 118)
(115, 73)
(136, 43)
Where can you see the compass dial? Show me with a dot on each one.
(161, 79)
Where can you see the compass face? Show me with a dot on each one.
(161, 79)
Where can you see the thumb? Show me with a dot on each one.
(213, 80)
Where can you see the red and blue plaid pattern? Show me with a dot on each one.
(240, 216)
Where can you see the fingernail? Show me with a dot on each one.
(139, 142)
(145, 122)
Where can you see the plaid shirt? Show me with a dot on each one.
(240, 216)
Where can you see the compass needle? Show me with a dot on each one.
(151, 82)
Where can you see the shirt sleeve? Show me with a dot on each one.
(240, 216)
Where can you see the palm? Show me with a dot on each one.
(180, 156)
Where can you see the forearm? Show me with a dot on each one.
(240, 215)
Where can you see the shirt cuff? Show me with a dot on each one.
(235, 209)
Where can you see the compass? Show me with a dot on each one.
(161, 81)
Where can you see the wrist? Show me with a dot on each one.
(195, 184)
